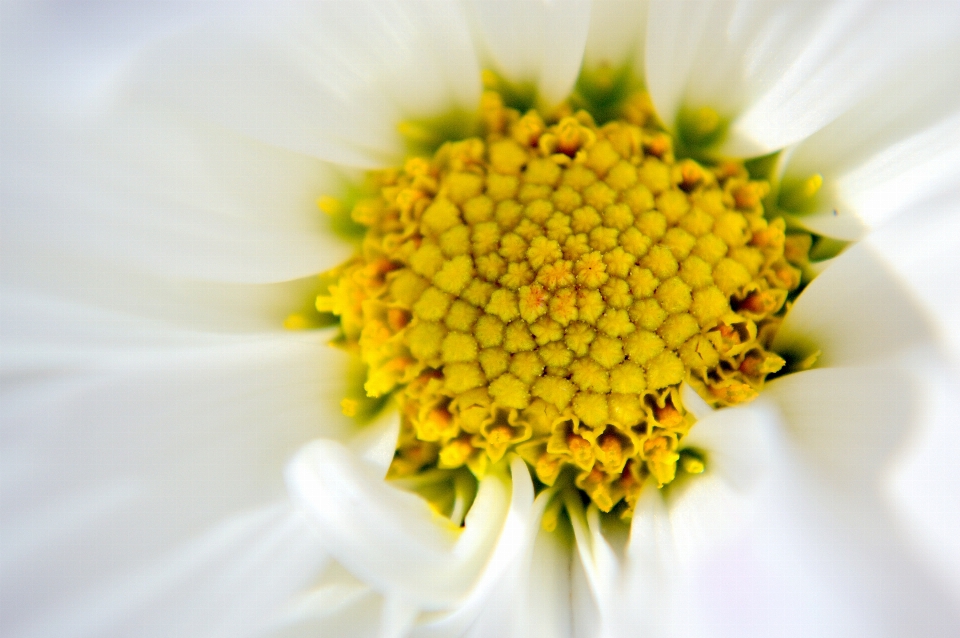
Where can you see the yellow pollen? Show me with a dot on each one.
(545, 289)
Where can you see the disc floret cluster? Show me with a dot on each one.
(544, 289)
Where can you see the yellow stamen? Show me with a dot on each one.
(545, 289)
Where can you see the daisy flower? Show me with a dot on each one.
(631, 319)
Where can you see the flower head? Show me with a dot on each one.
(181, 464)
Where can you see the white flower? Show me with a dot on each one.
(160, 165)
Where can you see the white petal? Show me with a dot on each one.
(849, 420)
(819, 559)
(60, 62)
(617, 31)
(505, 601)
(162, 195)
(376, 443)
(922, 247)
(923, 487)
(584, 606)
(694, 403)
(781, 71)
(630, 577)
(621, 568)
(391, 538)
(122, 440)
(533, 41)
(741, 446)
(341, 605)
(110, 307)
(228, 580)
(651, 567)
(855, 312)
(547, 610)
(597, 591)
(889, 152)
(328, 80)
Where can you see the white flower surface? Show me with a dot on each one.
(174, 463)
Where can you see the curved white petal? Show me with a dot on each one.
(617, 32)
(694, 403)
(533, 41)
(109, 305)
(507, 599)
(740, 446)
(851, 420)
(781, 71)
(58, 60)
(391, 538)
(331, 80)
(352, 612)
(923, 488)
(228, 579)
(546, 610)
(921, 246)
(638, 590)
(602, 570)
(125, 440)
(888, 153)
(376, 442)
(857, 311)
(819, 557)
(631, 579)
(583, 605)
(163, 195)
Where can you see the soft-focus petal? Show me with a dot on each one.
(124, 440)
(384, 534)
(856, 312)
(583, 605)
(921, 246)
(889, 153)
(849, 420)
(602, 571)
(146, 192)
(617, 32)
(781, 71)
(330, 80)
(740, 447)
(537, 42)
(58, 59)
(923, 488)
(226, 581)
(339, 605)
(818, 558)
(505, 600)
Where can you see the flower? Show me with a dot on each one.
(160, 169)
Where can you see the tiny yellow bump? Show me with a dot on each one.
(606, 351)
(509, 391)
(432, 305)
(459, 346)
(678, 328)
(489, 331)
(664, 370)
(673, 295)
(439, 216)
(591, 408)
(517, 337)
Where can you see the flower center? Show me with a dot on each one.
(545, 290)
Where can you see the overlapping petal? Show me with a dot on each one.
(782, 71)
(534, 42)
(153, 411)
(134, 467)
(282, 74)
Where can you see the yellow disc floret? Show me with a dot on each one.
(545, 289)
